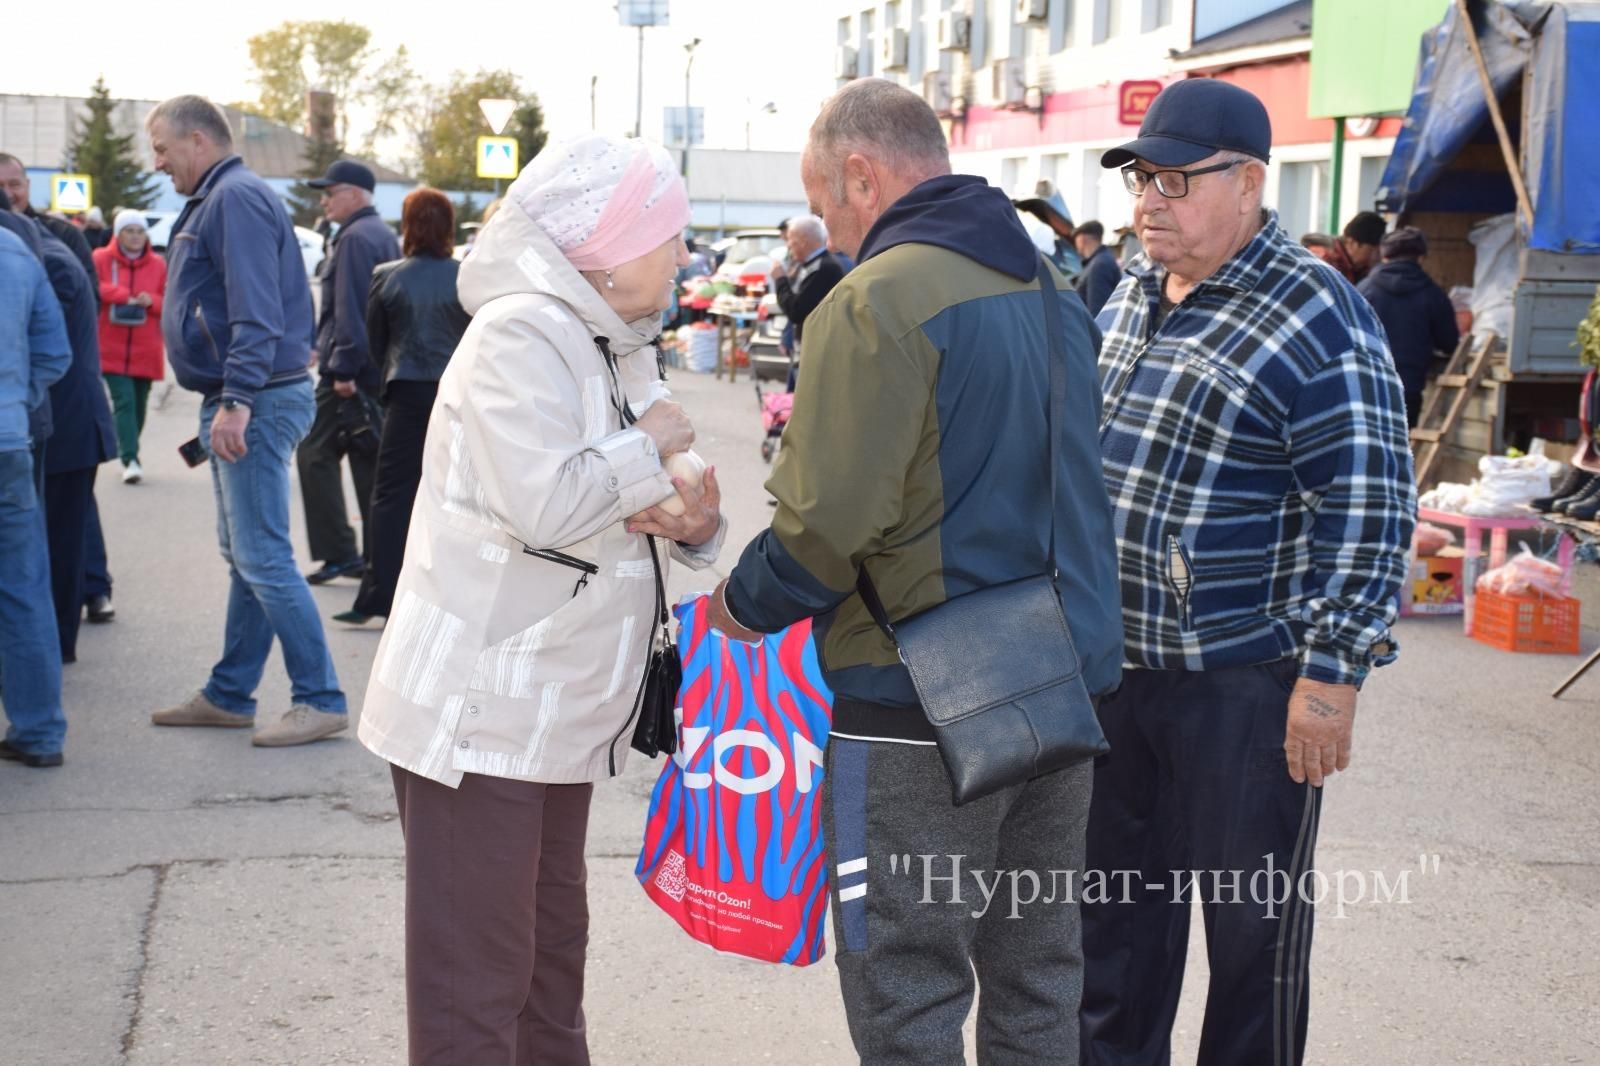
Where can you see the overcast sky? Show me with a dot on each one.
(752, 52)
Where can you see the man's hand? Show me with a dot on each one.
(702, 513)
(346, 389)
(1317, 738)
(778, 269)
(722, 620)
(227, 433)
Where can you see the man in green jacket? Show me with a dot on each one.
(919, 451)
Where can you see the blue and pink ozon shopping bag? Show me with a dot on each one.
(733, 840)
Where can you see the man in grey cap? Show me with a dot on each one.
(347, 405)
(1254, 446)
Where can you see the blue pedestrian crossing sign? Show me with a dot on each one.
(71, 193)
(497, 157)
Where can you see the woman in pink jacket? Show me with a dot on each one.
(132, 278)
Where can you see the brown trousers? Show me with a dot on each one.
(497, 920)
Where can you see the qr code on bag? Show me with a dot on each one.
(671, 878)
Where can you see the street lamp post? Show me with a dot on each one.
(768, 108)
(688, 116)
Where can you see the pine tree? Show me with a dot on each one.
(305, 203)
(119, 180)
(322, 151)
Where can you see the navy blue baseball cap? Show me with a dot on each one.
(1193, 119)
(346, 172)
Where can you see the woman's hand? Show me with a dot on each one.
(701, 517)
(666, 424)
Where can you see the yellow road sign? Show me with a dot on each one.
(497, 157)
(71, 193)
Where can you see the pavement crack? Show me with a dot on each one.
(146, 930)
(337, 801)
(241, 800)
(200, 861)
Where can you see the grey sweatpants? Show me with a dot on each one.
(909, 940)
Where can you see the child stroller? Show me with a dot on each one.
(775, 410)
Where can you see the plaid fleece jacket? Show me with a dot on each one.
(1256, 454)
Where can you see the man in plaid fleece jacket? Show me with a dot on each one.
(1254, 441)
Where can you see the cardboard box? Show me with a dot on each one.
(1438, 583)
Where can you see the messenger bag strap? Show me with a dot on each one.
(1055, 418)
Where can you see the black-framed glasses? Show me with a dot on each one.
(1169, 183)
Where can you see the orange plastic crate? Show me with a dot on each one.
(1547, 624)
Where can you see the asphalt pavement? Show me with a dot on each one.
(175, 897)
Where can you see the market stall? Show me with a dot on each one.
(1497, 164)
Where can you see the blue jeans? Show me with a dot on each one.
(30, 652)
(269, 596)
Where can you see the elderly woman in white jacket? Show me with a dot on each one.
(506, 682)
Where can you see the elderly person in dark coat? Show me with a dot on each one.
(1414, 310)
(348, 418)
(83, 438)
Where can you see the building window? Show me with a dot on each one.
(1063, 25)
(1163, 13)
(1010, 175)
(869, 43)
(844, 30)
(918, 44)
(1000, 30)
(1372, 168)
(1303, 197)
(1105, 198)
(1113, 18)
(1056, 168)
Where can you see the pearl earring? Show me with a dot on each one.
(609, 283)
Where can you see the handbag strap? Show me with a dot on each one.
(620, 402)
(1055, 418)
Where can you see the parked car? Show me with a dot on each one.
(158, 224)
(767, 360)
(747, 256)
(311, 249)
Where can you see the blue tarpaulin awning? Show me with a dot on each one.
(1448, 112)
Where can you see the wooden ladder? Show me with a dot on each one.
(1467, 366)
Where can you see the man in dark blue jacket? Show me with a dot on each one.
(1415, 312)
(237, 324)
(1101, 271)
(347, 395)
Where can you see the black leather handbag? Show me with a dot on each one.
(996, 670)
(657, 728)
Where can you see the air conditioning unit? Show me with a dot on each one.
(1034, 10)
(955, 32)
(1010, 85)
(893, 47)
(844, 62)
(936, 91)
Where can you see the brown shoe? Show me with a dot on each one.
(197, 710)
(300, 724)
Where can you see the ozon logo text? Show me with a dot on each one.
(807, 760)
